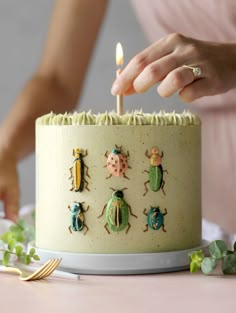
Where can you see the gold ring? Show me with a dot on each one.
(195, 70)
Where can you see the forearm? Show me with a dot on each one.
(72, 35)
(59, 79)
(17, 132)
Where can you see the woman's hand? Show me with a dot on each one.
(9, 185)
(163, 61)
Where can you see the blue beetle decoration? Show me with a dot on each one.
(155, 172)
(77, 171)
(77, 217)
(155, 218)
(117, 212)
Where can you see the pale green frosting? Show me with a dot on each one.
(112, 118)
(134, 118)
(106, 118)
(84, 118)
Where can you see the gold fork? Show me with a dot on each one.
(44, 271)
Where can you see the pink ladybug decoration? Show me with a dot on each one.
(117, 162)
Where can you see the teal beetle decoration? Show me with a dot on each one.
(77, 171)
(155, 172)
(77, 217)
(117, 212)
(155, 218)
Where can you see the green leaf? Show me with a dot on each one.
(6, 237)
(21, 224)
(208, 265)
(197, 255)
(217, 249)
(36, 257)
(15, 228)
(20, 238)
(32, 252)
(229, 264)
(195, 258)
(6, 258)
(194, 267)
(11, 245)
(27, 259)
(18, 250)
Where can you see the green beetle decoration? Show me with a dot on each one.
(155, 172)
(155, 219)
(77, 171)
(117, 212)
(77, 217)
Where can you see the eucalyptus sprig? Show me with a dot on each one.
(14, 242)
(217, 253)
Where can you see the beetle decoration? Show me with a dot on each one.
(155, 171)
(155, 218)
(117, 212)
(77, 217)
(117, 163)
(77, 171)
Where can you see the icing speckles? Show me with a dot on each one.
(155, 172)
(155, 219)
(77, 171)
(77, 218)
(117, 162)
(117, 213)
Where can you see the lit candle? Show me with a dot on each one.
(119, 63)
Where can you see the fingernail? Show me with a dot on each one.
(115, 90)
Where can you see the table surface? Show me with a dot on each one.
(177, 292)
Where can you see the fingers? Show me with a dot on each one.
(181, 79)
(129, 91)
(139, 63)
(154, 73)
(141, 81)
(175, 81)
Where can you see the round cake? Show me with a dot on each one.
(110, 184)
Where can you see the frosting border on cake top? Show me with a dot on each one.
(186, 118)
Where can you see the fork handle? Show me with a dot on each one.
(65, 275)
(8, 269)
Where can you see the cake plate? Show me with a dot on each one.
(121, 264)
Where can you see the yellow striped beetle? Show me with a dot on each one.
(77, 171)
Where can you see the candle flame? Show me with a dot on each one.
(119, 54)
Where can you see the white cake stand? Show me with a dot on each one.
(121, 264)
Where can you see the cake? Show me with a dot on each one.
(109, 184)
